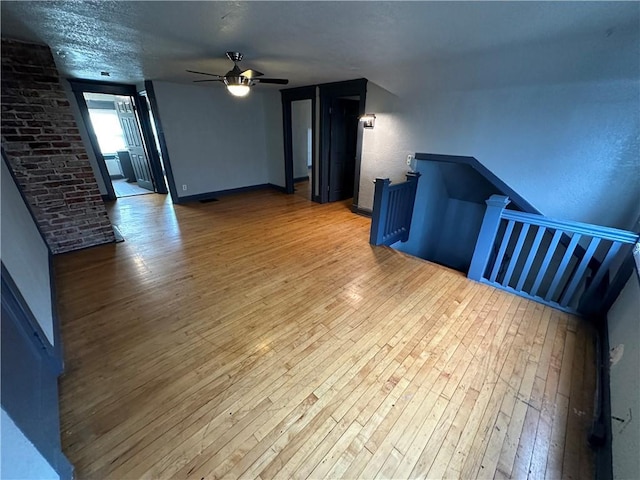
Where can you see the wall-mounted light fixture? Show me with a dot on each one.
(368, 119)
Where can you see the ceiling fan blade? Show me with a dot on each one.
(205, 73)
(277, 81)
(251, 73)
(212, 80)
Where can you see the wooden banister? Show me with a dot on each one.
(553, 269)
(393, 210)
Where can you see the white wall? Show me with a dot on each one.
(384, 147)
(217, 141)
(624, 338)
(19, 458)
(300, 141)
(25, 254)
(559, 123)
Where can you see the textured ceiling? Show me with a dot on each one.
(307, 42)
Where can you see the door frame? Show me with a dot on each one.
(79, 87)
(150, 93)
(288, 96)
(327, 93)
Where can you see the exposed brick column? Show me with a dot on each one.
(42, 143)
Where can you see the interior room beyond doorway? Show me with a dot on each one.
(115, 126)
(302, 142)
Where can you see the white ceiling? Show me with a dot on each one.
(306, 42)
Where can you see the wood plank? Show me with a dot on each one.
(516, 423)
(558, 433)
(540, 453)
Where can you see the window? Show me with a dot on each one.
(108, 130)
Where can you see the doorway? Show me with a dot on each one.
(121, 137)
(302, 143)
(343, 142)
(121, 147)
(336, 146)
(300, 140)
(341, 104)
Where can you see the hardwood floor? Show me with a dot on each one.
(261, 336)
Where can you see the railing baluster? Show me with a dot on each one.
(603, 269)
(582, 267)
(545, 262)
(532, 255)
(516, 253)
(390, 211)
(396, 206)
(501, 252)
(398, 213)
(563, 266)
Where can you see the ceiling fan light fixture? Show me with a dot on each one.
(239, 90)
(238, 86)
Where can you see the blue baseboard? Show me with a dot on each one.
(231, 191)
(278, 188)
(600, 435)
(365, 212)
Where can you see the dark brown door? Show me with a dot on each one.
(342, 151)
(129, 123)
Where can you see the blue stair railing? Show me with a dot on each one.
(392, 210)
(523, 254)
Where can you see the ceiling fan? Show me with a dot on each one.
(239, 82)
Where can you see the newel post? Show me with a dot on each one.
(488, 231)
(379, 213)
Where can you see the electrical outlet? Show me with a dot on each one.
(409, 159)
(184, 187)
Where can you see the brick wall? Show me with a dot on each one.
(44, 149)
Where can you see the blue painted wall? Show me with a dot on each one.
(459, 233)
(429, 210)
(447, 215)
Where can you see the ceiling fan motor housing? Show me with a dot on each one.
(234, 56)
(233, 78)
